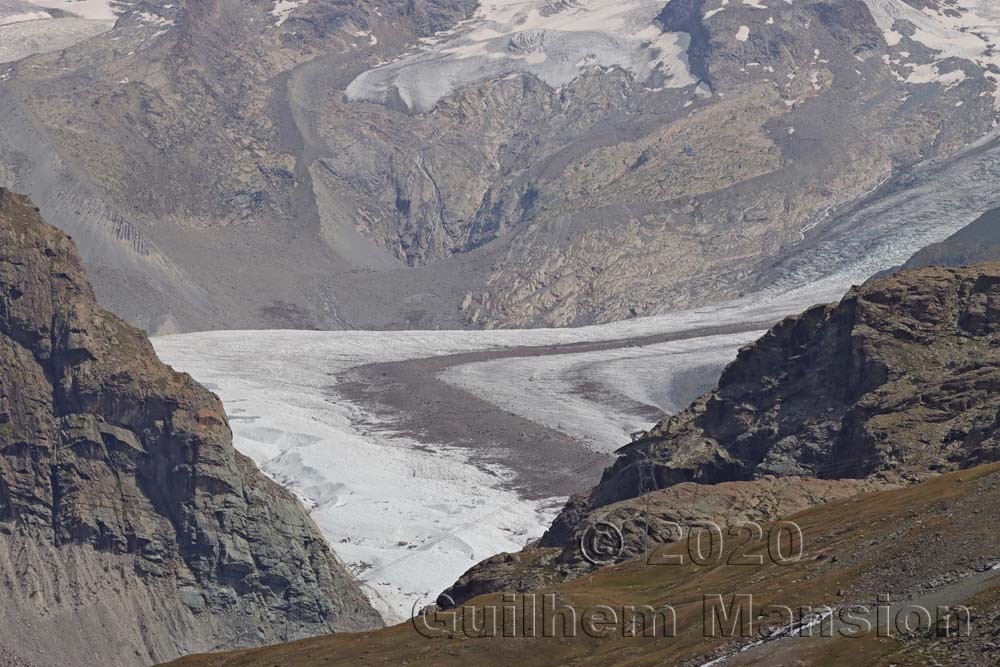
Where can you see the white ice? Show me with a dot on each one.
(598, 397)
(555, 41)
(964, 29)
(407, 519)
(284, 8)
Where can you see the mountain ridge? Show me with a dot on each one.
(891, 385)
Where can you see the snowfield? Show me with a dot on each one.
(964, 29)
(555, 41)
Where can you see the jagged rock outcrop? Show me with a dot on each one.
(896, 382)
(131, 531)
(899, 378)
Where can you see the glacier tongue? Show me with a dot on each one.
(555, 41)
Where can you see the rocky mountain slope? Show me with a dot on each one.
(979, 242)
(899, 378)
(819, 422)
(246, 165)
(933, 544)
(640, 525)
(131, 531)
(894, 383)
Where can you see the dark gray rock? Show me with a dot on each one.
(131, 531)
(979, 242)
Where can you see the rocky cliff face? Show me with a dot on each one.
(899, 378)
(131, 531)
(896, 382)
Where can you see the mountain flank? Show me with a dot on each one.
(895, 383)
(871, 423)
(932, 544)
(131, 531)
(582, 162)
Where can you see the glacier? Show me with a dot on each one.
(411, 516)
(554, 40)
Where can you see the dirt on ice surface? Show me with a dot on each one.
(417, 464)
(552, 414)
(411, 494)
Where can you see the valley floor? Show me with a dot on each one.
(413, 475)
(420, 453)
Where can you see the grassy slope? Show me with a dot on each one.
(853, 549)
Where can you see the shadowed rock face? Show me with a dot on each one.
(685, 16)
(979, 242)
(131, 531)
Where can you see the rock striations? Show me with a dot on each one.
(131, 531)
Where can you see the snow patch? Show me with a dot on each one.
(284, 8)
(963, 29)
